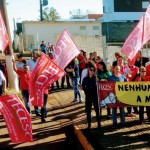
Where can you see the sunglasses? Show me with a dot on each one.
(92, 70)
(143, 71)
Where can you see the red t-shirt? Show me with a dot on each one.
(147, 78)
(24, 80)
(133, 71)
(82, 61)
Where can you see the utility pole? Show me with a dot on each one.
(42, 3)
(41, 11)
(12, 78)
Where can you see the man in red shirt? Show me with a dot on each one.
(24, 75)
(143, 77)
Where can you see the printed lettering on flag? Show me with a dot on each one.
(17, 118)
(65, 50)
(44, 74)
(138, 37)
(107, 95)
(4, 40)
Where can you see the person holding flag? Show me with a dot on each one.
(73, 71)
(24, 75)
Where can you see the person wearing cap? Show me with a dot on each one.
(143, 77)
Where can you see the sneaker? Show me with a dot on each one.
(75, 100)
(38, 114)
(131, 115)
(80, 100)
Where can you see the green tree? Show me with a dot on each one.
(50, 14)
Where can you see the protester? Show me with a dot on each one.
(117, 77)
(31, 49)
(91, 98)
(98, 59)
(85, 71)
(73, 71)
(139, 60)
(134, 71)
(43, 47)
(51, 56)
(24, 83)
(82, 62)
(43, 109)
(67, 80)
(95, 56)
(20, 63)
(2, 68)
(143, 77)
(102, 75)
(32, 63)
(2, 83)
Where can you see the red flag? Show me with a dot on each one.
(65, 50)
(138, 37)
(4, 40)
(17, 118)
(44, 74)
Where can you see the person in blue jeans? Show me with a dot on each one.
(73, 71)
(117, 77)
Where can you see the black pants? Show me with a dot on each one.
(88, 105)
(63, 80)
(1, 89)
(43, 109)
(141, 113)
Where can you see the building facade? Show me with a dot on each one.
(87, 34)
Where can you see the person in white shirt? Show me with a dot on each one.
(32, 62)
(31, 48)
(2, 83)
(19, 63)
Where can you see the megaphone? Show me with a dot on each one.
(110, 99)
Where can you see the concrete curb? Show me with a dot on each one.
(82, 139)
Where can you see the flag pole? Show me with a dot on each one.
(143, 31)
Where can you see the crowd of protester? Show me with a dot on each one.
(83, 73)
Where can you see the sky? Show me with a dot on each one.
(22, 10)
